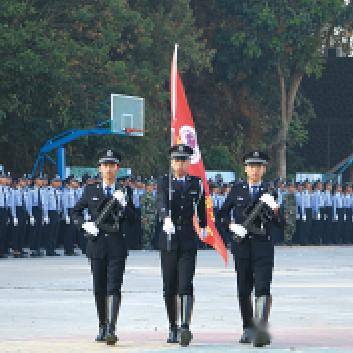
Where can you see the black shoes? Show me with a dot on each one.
(247, 336)
(171, 304)
(173, 335)
(187, 303)
(102, 334)
(102, 317)
(262, 312)
(113, 306)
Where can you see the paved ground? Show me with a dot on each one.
(46, 305)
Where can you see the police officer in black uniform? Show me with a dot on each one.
(254, 254)
(106, 246)
(178, 239)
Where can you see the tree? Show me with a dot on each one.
(290, 37)
(62, 59)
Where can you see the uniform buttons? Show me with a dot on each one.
(106, 235)
(179, 227)
(181, 207)
(124, 235)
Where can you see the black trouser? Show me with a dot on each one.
(338, 227)
(318, 227)
(37, 229)
(306, 228)
(108, 275)
(70, 236)
(18, 232)
(328, 225)
(254, 265)
(178, 270)
(52, 232)
(134, 232)
(348, 227)
(3, 231)
(82, 240)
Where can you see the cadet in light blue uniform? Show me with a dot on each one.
(328, 216)
(3, 216)
(28, 206)
(300, 214)
(318, 206)
(8, 206)
(70, 230)
(348, 224)
(18, 219)
(37, 212)
(281, 192)
(338, 215)
(51, 210)
(308, 200)
(135, 229)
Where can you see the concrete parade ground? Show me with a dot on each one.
(46, 305)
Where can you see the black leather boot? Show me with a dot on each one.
(246, 310)
(113, 306)
(262, 312)
(171, 304)
(102, 317)
(187, 303)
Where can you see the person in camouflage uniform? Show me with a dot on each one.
(148, 215)
(290, 214)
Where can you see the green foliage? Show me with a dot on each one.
(62, 59)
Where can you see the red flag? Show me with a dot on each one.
(183, 131)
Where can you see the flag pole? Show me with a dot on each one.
(173, 90)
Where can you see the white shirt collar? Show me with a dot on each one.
(180, 179)
(104, 185)
(255, 185)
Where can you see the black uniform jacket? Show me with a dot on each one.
(237, 201)
(186, 199)
(110, 241)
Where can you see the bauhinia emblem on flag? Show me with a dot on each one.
(183, 131)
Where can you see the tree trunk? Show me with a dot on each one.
(287, 109)
(282, 147)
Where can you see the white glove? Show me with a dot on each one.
(297, 216)
(318, 216)
(120, 197)
(67, 220)
(90, 228)
(15, 221)
(31, 221)
(168, 226)
(203, 233)
(46, 220)
(238, 230)
(270, 201)
(304, 217)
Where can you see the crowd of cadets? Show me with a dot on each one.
(322, 212)
(35, 214)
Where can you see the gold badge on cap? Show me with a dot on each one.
(109, 153)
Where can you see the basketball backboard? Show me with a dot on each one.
(127, 114)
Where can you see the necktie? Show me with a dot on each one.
(254, 191)
(108, 191)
